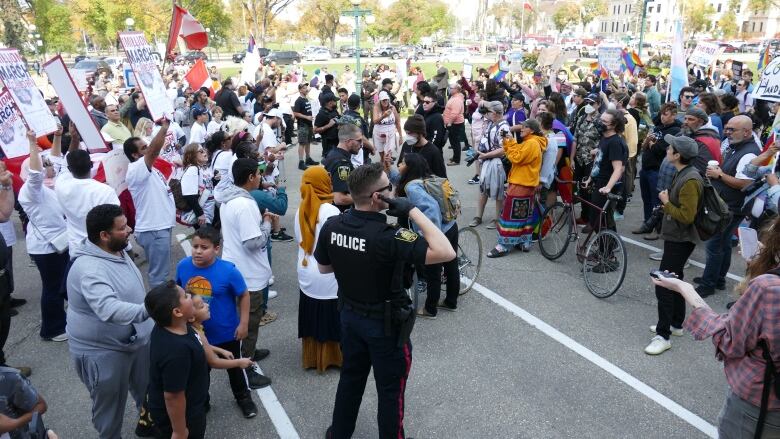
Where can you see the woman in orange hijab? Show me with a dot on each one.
(318, 316)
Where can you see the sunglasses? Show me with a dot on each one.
(688, 96)
(389, 187)
(427, 102)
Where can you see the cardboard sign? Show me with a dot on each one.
(768, 87)
(736, 69)
(516, 61)
(80, 79)
(503, 63)
(468, 69)
(71, 99)
(704, 54)
(548, 55)
(28, 99)
(147, 76)
(13, 132)
(611, 58)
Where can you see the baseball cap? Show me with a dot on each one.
(581, 92)
(518, 96)
(353, 100)
(687, 147)
(274, 112)
(198, 112)
(387, 81)
(592, 98)
(327, 97)
(698, 113)
(383, 95)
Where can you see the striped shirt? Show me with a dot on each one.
(755, 316)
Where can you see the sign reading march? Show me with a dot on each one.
(139, 53)
(13, 72)
(704, 54)
(611, 57)
(13, 133)
(768, 87)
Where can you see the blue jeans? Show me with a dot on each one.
(157, 247)
(718, 250)
(648, 182)
(53, 268)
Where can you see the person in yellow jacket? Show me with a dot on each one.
(520, 215)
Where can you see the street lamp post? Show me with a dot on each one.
(642, 26)
(357, 13)
(129, 23)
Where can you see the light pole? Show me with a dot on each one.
(129, 23)
(357, 13)
(642, 26)
(208, 33)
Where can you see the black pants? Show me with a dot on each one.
(599, 199)
(53, 268)
(289, 129)
(456, 132)
(581, 173)
(327, 145)
(433, 277)
(671, 305)
(6, 288)
(236, 375)
(195, 424)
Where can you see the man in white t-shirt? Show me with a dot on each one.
(247, 233)
(155, 212)
(198, 130)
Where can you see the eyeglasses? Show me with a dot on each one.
(427, 102)
(389, 187)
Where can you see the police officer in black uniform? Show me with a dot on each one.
(338, 163)
(367, 256)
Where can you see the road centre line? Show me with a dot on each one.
(665, 402)
(284, 427)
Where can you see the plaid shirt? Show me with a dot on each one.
(755, 316)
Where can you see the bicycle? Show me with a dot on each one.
(603, 258)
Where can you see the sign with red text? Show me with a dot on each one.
(13, 132)
(28, 99)
(140, 55)
(704, 54)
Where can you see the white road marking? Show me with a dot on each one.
(656, 249)
(678, 410)
(284, 427)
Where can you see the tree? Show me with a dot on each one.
(321, 20)
(53, 22)
(261, 14)
(13, 28)
(410, 20)
(590, 9)
(513, 15)
(212, 15)
(759, 6)
(567, 15)
(697, 16)
(727, 26)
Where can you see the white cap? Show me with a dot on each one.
(275, 112)
(383, 95)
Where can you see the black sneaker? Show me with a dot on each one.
(474, 180)
(311, 162)
(256, 380)
(281, 237)
(247, 406)
(446, 307)
(719, 286)
(466, 148)
(260, 354)
(705, 291)
(17, 302)
(301, 165)
(145, 428)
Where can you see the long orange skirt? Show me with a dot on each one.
(320, 354)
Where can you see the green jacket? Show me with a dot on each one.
(679, 213)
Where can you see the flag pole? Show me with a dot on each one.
(170, 30)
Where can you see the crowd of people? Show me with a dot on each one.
(217, 166)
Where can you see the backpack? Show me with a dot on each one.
(771, 379)
(446, 195)
(713, 215)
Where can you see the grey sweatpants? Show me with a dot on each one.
(108, 376)
(157, 247)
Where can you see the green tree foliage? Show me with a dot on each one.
(12, 26)
(727, 26)
(590, 9)
(512, 14)
(760, 6)
(410, 20)
(697, 16)
(567, 15)
(53, 21)
(261, 13)
(321, 20)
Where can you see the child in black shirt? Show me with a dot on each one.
(178, 375)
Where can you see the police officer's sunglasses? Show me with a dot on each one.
(389, 187)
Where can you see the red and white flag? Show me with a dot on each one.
(184, 24)
(199, 77)
(528, 6)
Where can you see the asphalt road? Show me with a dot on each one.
(529, 354)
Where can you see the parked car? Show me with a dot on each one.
(114, 62)
(407, 52)
(283, 57)
(192, 56)
(455, 54)
(382, 51)
(320, 54)
(350, 52)
(79, 58)
(239, 57)
(728, 48)
(751, 48)
(94, 67)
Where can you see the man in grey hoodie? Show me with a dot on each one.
(107, 324)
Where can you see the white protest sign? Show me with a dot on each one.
(611, 57)
(147, 76)
(13, 133)
(467, 70)
(79, 78)
(768, 87)
(515, 61)
(704, 54)
(60, 79)
(548, 55)
(32, 106)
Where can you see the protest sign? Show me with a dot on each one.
(467, 70)
(79, 78)
(60, 79)
(704, 54)
(548, 55)
(768, 87)
(736, 69)
(28, 99)
(611, 58)
(147, 76)
(516, 61)
(13, 132)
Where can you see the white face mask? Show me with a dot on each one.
(589, 109)
(611, 106)
(410, 139)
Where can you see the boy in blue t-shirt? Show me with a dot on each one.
(220, 283)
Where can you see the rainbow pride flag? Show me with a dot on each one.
(496, 73)
(764, 58)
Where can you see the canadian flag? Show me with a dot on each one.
(184, 24)
(528, 6)
(199, 77)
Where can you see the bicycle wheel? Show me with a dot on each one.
(556, 231)
(469, 258)
(604, 264)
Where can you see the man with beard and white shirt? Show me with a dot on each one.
(155, 211)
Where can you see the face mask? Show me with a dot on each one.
(410, 139)
(611, 106)
(589, 109)
(600, 127)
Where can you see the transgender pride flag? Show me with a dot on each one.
(679, 74)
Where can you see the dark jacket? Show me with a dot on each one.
(680, 211)
(653, 155)
(709, 139)
(735, 198)
(432, 155)
(435, 131)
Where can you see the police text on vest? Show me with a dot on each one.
(349, 242)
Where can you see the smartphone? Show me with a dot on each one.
(658, 274)
(604, 85)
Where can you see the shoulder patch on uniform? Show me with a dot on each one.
(343, 172)
(405, 235)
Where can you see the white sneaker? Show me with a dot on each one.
(656, 256)
(271, 281)
(658, 345)
(59, 338)
(272, 294)
(677, 332)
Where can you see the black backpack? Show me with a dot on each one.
(771, 379)
(713, 215)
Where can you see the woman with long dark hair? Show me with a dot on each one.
(413, 171)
